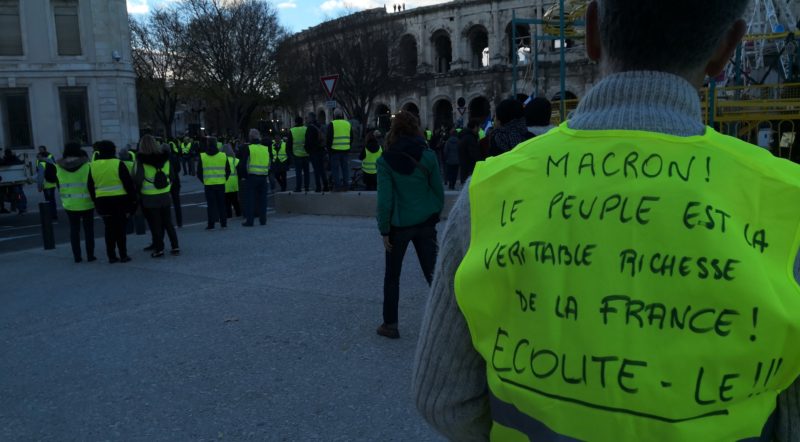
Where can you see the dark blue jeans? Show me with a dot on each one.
(320, 177)
(424, 239)
(215, 197)
(301, 174)
(256, 201)
(340, 165)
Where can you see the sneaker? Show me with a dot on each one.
(113, 260)
(91, 259)
(78, 259)
(389, 331)
(125, 259)
(159, 254)
(175, 251)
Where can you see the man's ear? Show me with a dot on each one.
(593, 47)
(726, 48)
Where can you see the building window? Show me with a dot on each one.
(16, 117)
(68, 32)
(75, 115)
(10, 32)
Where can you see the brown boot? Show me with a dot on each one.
(389, 331)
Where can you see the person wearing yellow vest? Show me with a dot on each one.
(232, 185)
(556, 318)
(296, 149)
(280, 162)
(114, 194)
(213, 171)
(254, 164)
(128, 156)
(187, 160)
(154, 179)
(46, 179)
(73, 188)
(340, 140)
(369, 160)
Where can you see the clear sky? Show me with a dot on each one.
(297, 15)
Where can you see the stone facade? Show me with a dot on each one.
(99, 82)
(478, 67)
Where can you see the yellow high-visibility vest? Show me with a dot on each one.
(258, 161)
(279, 153)
(105, 174)
(213, 168)
(341, 135)
(148, 185)
(43, 165)
(628, 286)
(232, 184)
(299, 141)
(369, 164)
(73, 188)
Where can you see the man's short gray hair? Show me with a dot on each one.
(665, 35)
(254, 135)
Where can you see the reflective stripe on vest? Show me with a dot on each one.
(105, 174)
(148, 185)
(213, 168)
(299, 141)
(615, 287)
(341, 135)
(370, 163)
(174, 147)
(73, 188)
(258, 160)
(232, 184)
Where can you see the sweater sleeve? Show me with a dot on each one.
(449, 379)
(385, 197)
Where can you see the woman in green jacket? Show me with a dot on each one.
(410, 200)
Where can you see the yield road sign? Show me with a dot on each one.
(329, 84)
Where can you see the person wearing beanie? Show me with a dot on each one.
(511, 129)
(114, 194)
(73, 187)
(538, 113)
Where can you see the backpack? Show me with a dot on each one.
(50, 174)
(160, 181)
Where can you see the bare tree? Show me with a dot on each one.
(232, 45)
(160, 64)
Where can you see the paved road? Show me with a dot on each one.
(252, 334)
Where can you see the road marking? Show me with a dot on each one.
(17, 237)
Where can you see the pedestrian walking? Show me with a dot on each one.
(451, 159)
(72, 171)
(46, 179)
(339, 141)
(469, 150)
(254, 162)
(296, 147)
(410, 201)
(521, 345)
(186, 156)
(213, 171)
(232, 185)
(369, 160)
(316, 153)
(114, 194)
(154, 178)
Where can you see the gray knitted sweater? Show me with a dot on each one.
(449, 375)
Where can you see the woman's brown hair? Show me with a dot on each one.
(148, 145)
(404, 123)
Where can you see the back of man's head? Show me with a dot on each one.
(538, 112)
(675, 36)
(338, 115)
(254, 136)
(472, 125)
(298, 120)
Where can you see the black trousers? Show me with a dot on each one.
(371, 181)
(320, 175)
(75, 219)
(115, 234)
(452, 175)
(215, 197)
(175, 192)
(425, 243)
(160, 220)
(232, 204)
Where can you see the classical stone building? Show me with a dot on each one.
(458, 57)
(65, 73)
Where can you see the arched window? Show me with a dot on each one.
(407, 55)
(443, 51)
(442, 114)
(521, 46)
(479, 47)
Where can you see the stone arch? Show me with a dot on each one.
(407, 55)
(478, 42)
(411, 107)
(442, 114)
(479, 109)
(442, 51)
(383, 117)
(522, 46)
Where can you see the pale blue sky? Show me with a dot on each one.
(297, 15)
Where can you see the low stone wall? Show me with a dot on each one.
(340, 203)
